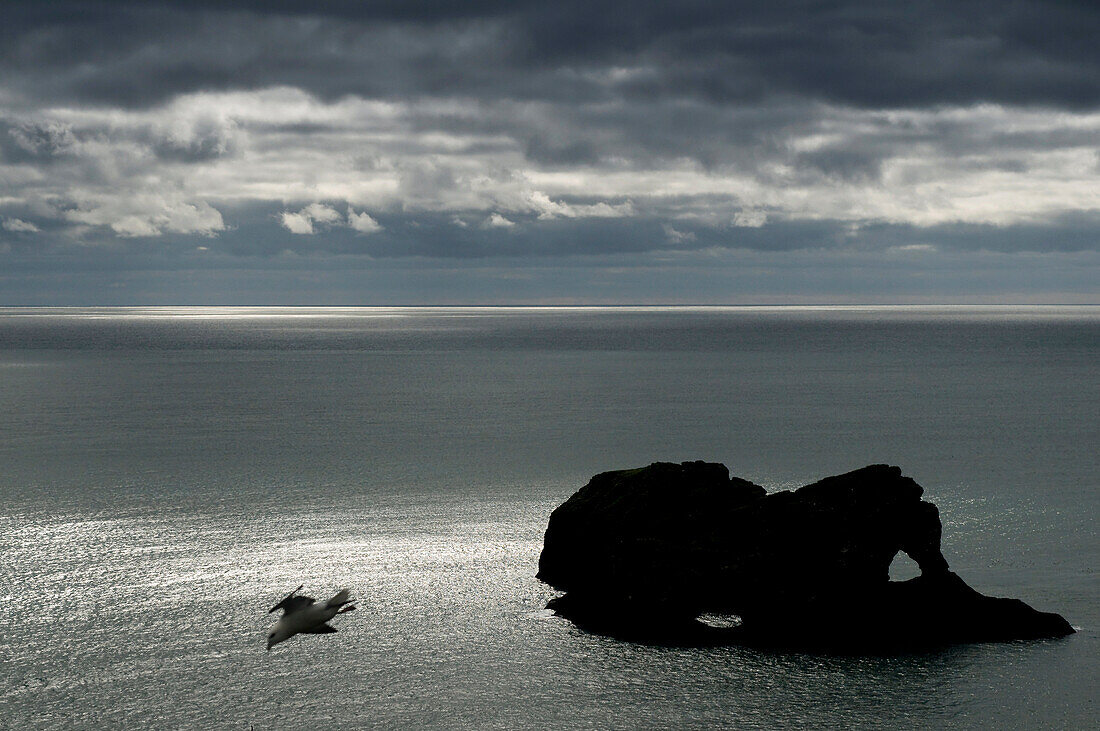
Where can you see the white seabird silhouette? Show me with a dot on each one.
(303, 615)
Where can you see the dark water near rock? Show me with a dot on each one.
(168, 474)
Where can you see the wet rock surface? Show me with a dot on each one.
(642, 553)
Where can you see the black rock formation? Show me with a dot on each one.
(641, 554)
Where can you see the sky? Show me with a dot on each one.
(514, 152)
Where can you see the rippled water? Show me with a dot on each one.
(170, 474)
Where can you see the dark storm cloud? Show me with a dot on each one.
(205, 134)
(860, 53)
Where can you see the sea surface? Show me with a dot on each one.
(168, 474)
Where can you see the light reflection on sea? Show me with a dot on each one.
(148, 620)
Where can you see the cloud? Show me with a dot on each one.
(678, 237)
(495, 220)
(18, 226)
(362, 222)
(913, 248)
(321, 216)
(297, 223)
(321, 213)
(45, 138)
(546, 208)
(303, 222)
(750, 219)
(149, 214)
(194, 138)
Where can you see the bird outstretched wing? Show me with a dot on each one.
(293, 603)
(296, 603)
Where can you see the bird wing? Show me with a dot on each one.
(319, 629)
(293, 604)
(286, 599)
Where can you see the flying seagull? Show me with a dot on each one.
(302, 614)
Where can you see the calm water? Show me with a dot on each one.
(169, 474)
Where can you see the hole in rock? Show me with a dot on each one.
(903, 568)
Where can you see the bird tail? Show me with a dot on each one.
(342, 597)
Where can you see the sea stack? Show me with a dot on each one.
(642, 553)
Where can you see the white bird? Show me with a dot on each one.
(302, 614)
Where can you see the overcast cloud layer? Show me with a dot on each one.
(554, 152)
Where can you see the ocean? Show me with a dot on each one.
(168, 474)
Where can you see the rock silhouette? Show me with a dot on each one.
(642, 553)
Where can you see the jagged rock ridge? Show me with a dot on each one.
(640, 554)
